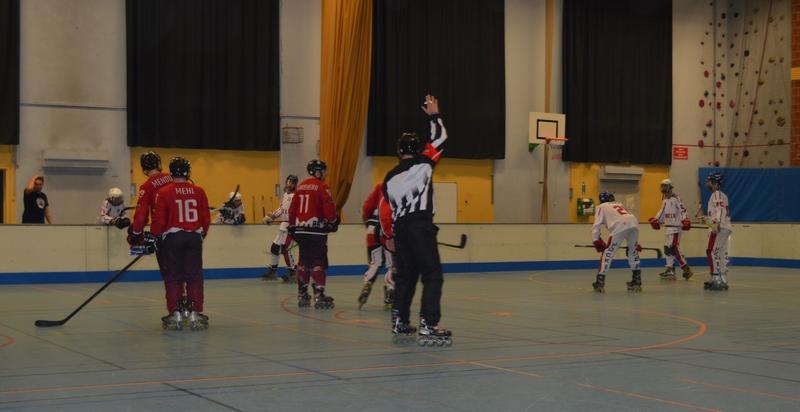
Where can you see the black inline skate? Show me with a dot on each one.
(432, 335)
(303, 298)
(365, 291)
(668, 274)
(715, 284)
(687, 271)
(322, 301)
(172, 322)
(599, 285)
(270, 274)
(635, 285)
(291, 276)
(402, 332)
(190, 317)
(388, 298)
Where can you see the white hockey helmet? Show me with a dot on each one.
(666, 185)
(115, 193)
(234, 196)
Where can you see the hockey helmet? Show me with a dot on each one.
(150, 161)
(293, 179)
(606, 197)
(666, 186)
(409, 144)
(180, 167)
(235, 196)
(715, 178)
(115, 193)
(315, 166)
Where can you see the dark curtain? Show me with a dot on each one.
(203, 74)
(9, 71)
(617, 73)
(453, 49)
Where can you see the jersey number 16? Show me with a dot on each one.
(187, 210)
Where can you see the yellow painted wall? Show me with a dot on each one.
(10, 195)
(219, 171)
(474, 180)
(649, 194)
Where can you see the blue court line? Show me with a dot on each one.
(240, 273)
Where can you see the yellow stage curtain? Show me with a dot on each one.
(344, 89)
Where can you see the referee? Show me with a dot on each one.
(409, 190)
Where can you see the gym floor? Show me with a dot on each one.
(523, 341)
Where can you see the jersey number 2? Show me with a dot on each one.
(621, 210)
(187, 210)
(304, 200)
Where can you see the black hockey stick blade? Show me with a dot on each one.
(693, 226)
(50, 323)
(658, 251)
(461, 245)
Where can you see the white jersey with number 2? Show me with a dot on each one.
(615, 217)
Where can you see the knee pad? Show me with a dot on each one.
(669, 251)
(275, 249)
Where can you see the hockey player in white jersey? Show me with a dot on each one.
(718, 219)
(621, 225)
(280, 246)
(672, 216)
(112, 210)
(232, 211)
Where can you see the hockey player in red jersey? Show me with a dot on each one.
(377, 253)
(312, 215)
(151, 167)
(181, 221)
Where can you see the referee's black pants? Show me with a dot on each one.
(417, 255)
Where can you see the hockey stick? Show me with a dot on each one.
(693, 226)
(461, 244)
(49, 323)
(263, 210)
(657, 250)
(230, 201)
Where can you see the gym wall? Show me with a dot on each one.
(10, 196)
(72, 95)
(219, 171)
(53, 253)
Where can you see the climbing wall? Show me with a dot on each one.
(745, 101)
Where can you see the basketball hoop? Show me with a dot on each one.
(556, 142)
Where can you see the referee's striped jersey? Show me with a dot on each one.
(409, 187)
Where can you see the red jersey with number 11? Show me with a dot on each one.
(312, 206)
(181, 206)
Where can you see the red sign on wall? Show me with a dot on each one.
(680, 152)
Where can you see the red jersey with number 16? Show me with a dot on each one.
(181, 206)
(312, 206)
